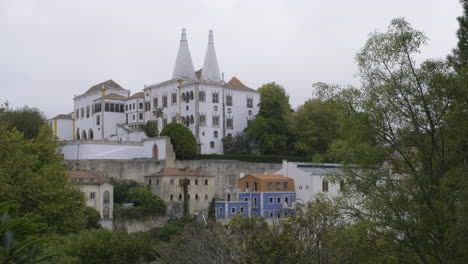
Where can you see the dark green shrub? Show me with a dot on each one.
(182, 139)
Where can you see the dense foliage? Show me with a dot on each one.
(182, 139)
(26, 120)
(151, 129)
(32, 174)
(459, 58)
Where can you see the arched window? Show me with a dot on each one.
(191, 95)
(77, 133)
(106, 197)
(212, 144)
(187, 97)
(106, 212)
(215, 134)
(183, 120)
(83, 134)
(183, 96)
(192, 120)
(90, 134)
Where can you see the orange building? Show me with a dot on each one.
(266, 183)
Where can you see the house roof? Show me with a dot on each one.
(63, 116)
(270, 176)
(113, 96)
(96, 175)
(107, 85)
(137, 95)
(235, 83)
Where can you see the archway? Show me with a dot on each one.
(83, 134)
(78, 133)
(91, 134)
(155, 152)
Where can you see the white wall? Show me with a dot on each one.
(73, 150)
(309, 183)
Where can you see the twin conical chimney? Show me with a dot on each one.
(210, 70)
(184, 65)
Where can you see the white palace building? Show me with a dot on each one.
(107, 121)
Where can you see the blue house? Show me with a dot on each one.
(259, 195)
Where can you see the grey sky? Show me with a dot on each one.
(52, 50)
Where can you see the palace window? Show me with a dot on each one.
(191, 95)
(92, 195)
(77, 113)
(155, 103)
(271, 200)
(174, 98)
(98, 120)
(164, 101)
(279, 200)
(233, 210)
(215, 134)
(230, 123)
(229, 100)
(82, 112)
(141, 105)
(215, 97)
(215, 120)
(141, 116)
(192, 120)
(206, 182)
(187, 97)
(212, 144)
(201, 96)
(106, 197)
(250, 112)
(147, 106)
(112, 108)
(249, 102)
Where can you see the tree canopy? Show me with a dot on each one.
(32, 174)
(26, 120)
(459, 57)
(271, 125)
(182, 139)
(151, 128)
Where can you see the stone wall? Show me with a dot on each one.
(226, 172)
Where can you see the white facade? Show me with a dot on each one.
(311, 179)
(62, 126)
(98, 191)
(208, 106)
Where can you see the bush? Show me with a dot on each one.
(103, 246)
(93, 218)
(151, 129)
(122, 190)
(182, 139)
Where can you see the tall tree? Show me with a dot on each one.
(316, 126)
(26, 120)
(459, 58)
(33, 175)
(410, 182)
(271, 125)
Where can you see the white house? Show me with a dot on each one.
(62, 126)
(311, 178)
(201, 100)
(98, 191)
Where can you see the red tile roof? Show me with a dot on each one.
(235, 83)
(78, 174)
(270, 176)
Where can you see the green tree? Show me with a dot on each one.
(410, 182)
(32, 174)
(21, 237)
(151, 129)
(184, 142)
(459, 58)
(26, 120)
(240, 144)
(316, 126)
(271, 125)
(93, 218)
(122, 190)
(103, 246)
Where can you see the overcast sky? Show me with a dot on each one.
(53, 50)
